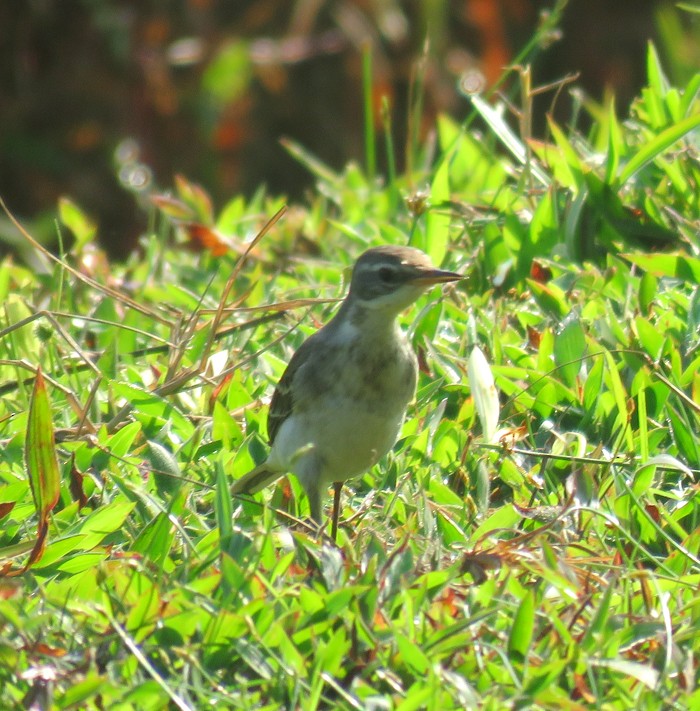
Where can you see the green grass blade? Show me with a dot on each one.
(656, 146)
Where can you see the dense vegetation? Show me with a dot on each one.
(553, 563)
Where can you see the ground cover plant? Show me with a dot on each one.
(543, 553)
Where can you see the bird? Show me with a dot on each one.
(340, 403)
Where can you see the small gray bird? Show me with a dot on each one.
(340, 403)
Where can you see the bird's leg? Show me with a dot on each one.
(337, 487)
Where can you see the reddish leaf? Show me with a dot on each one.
(422, 361)
(6, 507)
(534, 337)
(76, 485)
(582, 690)
(48, 651)
(9, 588)
(653, 512)
(539, 272)
(219, 390)
(203, 238)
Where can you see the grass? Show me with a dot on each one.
(552, 564)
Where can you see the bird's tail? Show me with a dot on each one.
(255, 480)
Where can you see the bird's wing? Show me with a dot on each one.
(283, 399)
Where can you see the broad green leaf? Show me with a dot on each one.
(105, 520)
(122, 441)
(592, 386)
(550, 298)
(570, 348)
(412, 655)
(679, 266)
(650, 338)
(522, 628)
(156, 539)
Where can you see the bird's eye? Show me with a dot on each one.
(387, 275)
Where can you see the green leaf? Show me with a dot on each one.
(83, 228)
(658, 82)
(599, 623)
(686, 437)
(647, 292)
(570, 348)
(679, 266)
(572, 161)
(650, 337)
(505, 134)
(40, 451)
(592, 386)
(657, 145)
(618, 389)
(437, 226)
(223, 504)
(522, 629)
(228, 75)
(550, 298)
(105, 520)
(615, 144)
(412, 655)
(543, 235)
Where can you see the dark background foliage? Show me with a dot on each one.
(103, 100)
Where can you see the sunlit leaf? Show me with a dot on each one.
(41, 462)
(484, 392)
(656, 146)
(438, 218)
(679, 266)
(570, 348)
(522, 628)
(82, 226)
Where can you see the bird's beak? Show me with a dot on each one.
(435, 276)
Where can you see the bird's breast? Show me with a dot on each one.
(349, 408)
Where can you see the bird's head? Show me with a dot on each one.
(392, 278)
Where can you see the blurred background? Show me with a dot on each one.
(106, 100)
